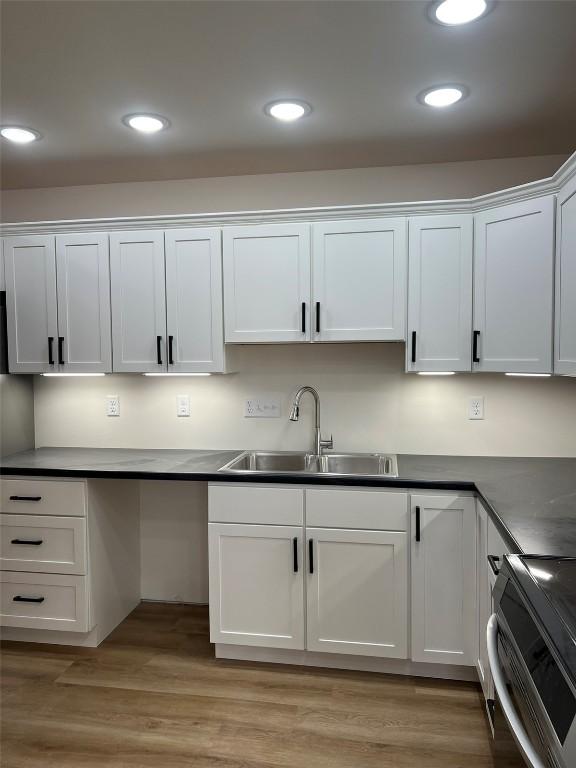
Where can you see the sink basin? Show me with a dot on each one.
(359, 464)
(250, 462)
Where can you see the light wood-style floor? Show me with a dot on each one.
(153, 696)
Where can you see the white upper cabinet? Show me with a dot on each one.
(357, 592)
(83, 288)
(513, 287)
(32, 319)
(194, 300)
(138, 301)
(267, 283)
(359, 280)
(440, 293)
(565, 357)
(444, 615)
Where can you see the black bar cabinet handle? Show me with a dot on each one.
(418, 524)
(25, 498)
(303, 323)
(295, 553)
(475, 358)
(317, 317)
(159, 350)
(311, 555)
(61, 350)
(35, 542)
(50, 350)
(494, 560)
(171, 350)
(413, 346)
(23, 599)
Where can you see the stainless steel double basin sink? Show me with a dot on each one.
(256, 462)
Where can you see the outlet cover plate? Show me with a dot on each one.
(476, 408)
(112, 405)
(262, 407)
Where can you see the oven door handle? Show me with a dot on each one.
(514, 721)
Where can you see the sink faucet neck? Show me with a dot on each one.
(319, 443)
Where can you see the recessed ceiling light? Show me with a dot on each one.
(146, 123)
(287, 111)
(454, 12)
(19, 135)
(444, 96)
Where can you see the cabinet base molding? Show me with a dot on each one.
(342, 661)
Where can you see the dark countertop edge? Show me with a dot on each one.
(287, 479)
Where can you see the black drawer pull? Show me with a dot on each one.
(475, 358)
(317, 317)
(493, 560)
(295, 553)
(158, 350)
(311, 555)
(25, 498)
(23, 599)
(171, 350)
(34, 542)
(413, 346)
(418, 532)
(61, 350)
(50, 350)
(303, 325)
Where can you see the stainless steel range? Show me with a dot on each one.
(532, 651)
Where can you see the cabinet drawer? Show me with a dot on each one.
(43, 497)
(368, 508)
(43, 543)
(44, 601)
(263, 505)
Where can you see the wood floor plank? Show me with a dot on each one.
(154, 695)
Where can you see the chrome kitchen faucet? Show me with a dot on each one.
(319, 443)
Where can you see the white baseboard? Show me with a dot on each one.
(341, 661)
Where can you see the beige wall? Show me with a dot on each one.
(368, 403)
(401, 183)
(16, 414)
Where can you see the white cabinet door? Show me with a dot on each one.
(566, 280)
(194, 300)
(440, 294)
(138, 301)
(513, 287)
(444, 580)
(267, 283)
(83, 287)
(31, 309)
(357, 592)
(256, 585)
(359, 280)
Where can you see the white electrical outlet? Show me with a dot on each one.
(476, 408)
(182, 405)
(112, 405)
(262, 408)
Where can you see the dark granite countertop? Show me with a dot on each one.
(531, 500)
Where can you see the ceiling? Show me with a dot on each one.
(72, 69)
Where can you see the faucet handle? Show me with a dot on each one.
(329, 444)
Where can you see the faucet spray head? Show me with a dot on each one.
(294, 413)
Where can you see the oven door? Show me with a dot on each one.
(517, 736)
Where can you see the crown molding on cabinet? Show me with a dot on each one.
(532, 189)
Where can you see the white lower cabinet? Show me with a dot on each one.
(330, 589)
(444, 617)
(256, 585)
(357, 592)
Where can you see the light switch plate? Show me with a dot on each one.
(476, 408)
(262, 407)
(112, 405)
(182, 405)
